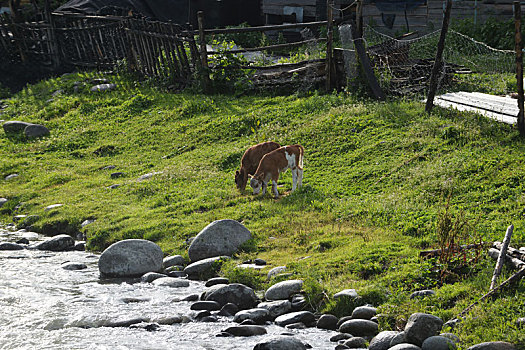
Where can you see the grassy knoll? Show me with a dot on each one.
(377, 180)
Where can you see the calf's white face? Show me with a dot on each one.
(256, 185)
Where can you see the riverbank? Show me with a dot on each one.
(135, 162)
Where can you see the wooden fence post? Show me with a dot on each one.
(519, 64)
(329, 44)
(359, 17)
(203, 53)
(54, 52)
(438, 60)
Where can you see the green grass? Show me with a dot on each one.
(377, 176)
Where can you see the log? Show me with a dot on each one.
(437, 252)
(515, 253)
(501, 256)
(517, 263)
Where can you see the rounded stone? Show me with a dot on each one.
(277, 307)
(14, 126)
(438, 343)
(10, 246)
(205, 268)
(175, 260)
(130, 258)
(58, 243)
(275, 271)
(242, 296)
(364, 312)
(350, 293)
(280, 343)
(355, 342)
(257, 315)
(171, 282)
(216, 280)
(283, 290)
(305, 317)
(421, 326)
(340, 336)
(229, 309)
(35, 130)
(245, 331)
(382, 340)
(405, 346)
(221, 237)
(422, 293)
(206, 305)
(73, 266)
(495, 345)
(359, 328)
(327, 321)
(151, 276)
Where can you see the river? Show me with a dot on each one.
(43, 306)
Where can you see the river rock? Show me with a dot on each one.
(275, 271)
(399, 338)
(242, 296)
(420, 326)
(355, 342)
(73, 266)
(340, 336)
(206, 305)
(149, 277)
(79, 246)
(257, 315)
(280, 343)
(228, 310)
(245, 331)
(298, 302)
(364, 312)
(175, 260)
(359, 328)
(171, 282)
(35, 130)
(327, 321)
(221, 237)
(382, 340)
(283, 290)
(438, 342)
(169, 320)
(495, 345)
(57, 244)
(405, 346)
(14, 126)
(305, 317)
(130, 258)
(276, 308)
(2, 202)
(216, 280)
(204, 268)
(422, 293)
(10, 246)
(350, 293)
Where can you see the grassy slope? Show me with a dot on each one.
(376, 178)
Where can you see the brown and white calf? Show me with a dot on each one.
(250, 161)
(275, 162)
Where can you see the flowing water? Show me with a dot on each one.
(43, 306)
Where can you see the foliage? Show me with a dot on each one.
(227, 72)
(235, 274)
(494, 32)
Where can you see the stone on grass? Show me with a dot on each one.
(275, 271)
(203, 269)
(242, 296)
(52, 206)
(130, 258)
(359, 328)
(405, 346)
(495, 345)
(221, 237)
(35, 130)
(422, 293)
(364, 312)
(103, 87)
(382, 340)
(350, 293)
(14, 126)
(421, 326)
(283, 290)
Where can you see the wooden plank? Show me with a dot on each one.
(493, 115)
(481, 103)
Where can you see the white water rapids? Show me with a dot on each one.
(43, 306)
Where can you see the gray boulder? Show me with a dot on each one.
(283, 290)
(359, 328)
(242, 296)
(58, 243)
(10, 246)
(130, 258)
(172, 282)
(405, 346)
(399, 338)
(73, 266)
(382, 340)
(305, 317)
(364, 312)
(350, 293)
(175, 260)
(421, 326)
(280, 343)
(327, 321)
(216, 280)
(205, 305)
(355, 342)
(276, 308)
(221, 237)
(495, 345)
(275, 271)
(205, 268)
(257, 315)
(438, 342)
(149, 277)
(35, 130)
(340, 336)
(245, 331)
(14, 126)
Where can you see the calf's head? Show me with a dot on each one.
(256, 184)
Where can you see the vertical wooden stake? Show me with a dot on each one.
(501, 257)
(53, 42)
(439, 57)
(203, 53)
(329, 44)
(359, 17)
(519, 64)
